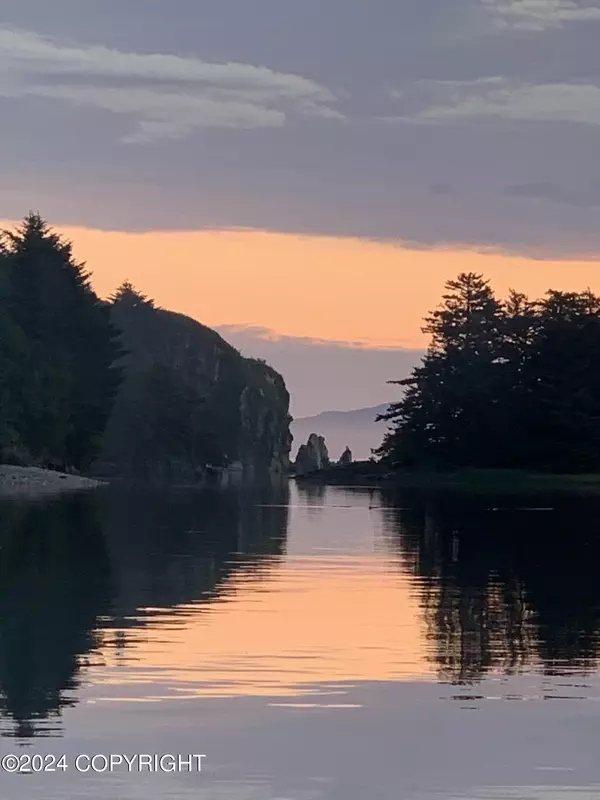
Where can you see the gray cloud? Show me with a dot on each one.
(169, 96)
(447, 101)
(571, 196)
(540, 15)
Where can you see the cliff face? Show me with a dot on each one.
(190, 401)
(265, 420)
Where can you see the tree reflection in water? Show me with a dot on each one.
(506, 582)
(72, 569)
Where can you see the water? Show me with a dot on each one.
(318, 643)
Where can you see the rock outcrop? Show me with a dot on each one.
(265, 439)
(312, 456)
(346, 457)
(190, 405)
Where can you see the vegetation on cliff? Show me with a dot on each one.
(189, 399)
(121, 385)
(512, 384)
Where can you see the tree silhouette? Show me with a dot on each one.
(513, 384)
(58, 350)
(445, 415)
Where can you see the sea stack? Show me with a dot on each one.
(312, 456)
(346, 457)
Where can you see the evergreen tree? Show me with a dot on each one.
(563, 384)
(503, 385)
(127, 297)
(446, 416)
(521, 322)
(68, 382)
(13, 370)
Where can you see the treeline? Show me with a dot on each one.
(58, 351)
(504, 384)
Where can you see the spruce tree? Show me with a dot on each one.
(14, 358)
(446, 417)
(67, 392)
(563, 384)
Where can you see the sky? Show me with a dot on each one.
(304, 176)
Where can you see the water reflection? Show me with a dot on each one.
(172, 549)
(313, 496)
(76, 574)
(505, 583)
(246, 593)
(54, 584)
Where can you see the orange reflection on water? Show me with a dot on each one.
(311, 621)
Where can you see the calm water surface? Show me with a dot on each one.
(316, 643)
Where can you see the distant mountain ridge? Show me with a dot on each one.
(354, 415)
(355, 429)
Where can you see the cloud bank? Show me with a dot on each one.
(239, 107)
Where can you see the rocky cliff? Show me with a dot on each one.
(190, 404)
(312, 456)
(346, 457)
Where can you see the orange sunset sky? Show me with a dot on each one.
(347, 290)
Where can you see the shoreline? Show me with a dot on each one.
(34, 482)
(369, 475)
(39, 482)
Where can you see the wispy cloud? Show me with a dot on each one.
(434, 102)
(258, 333)
(167, 96)
(580, 196)
(540, 15)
